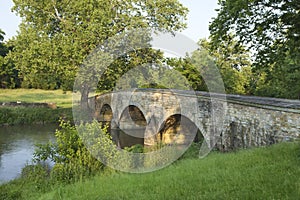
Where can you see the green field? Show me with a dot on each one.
(62, 99)
(23, 115)
(263, 173)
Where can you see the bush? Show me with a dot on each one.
(77, 153)
(23, 115)
(72, 159)
(192, 152)
(7, 193)
(37, 175)
(138, 148)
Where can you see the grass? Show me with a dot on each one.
(262, 173)
(23, 115)
(37, 96)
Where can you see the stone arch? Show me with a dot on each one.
(132, 118)
(105, 117)
(106, 113)
(132, 124)
(179, 129)
(122, 106)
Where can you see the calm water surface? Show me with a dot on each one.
(17, 145)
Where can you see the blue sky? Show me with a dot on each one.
(201, 12)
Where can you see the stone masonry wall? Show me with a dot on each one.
(249, 121)
(250, 125)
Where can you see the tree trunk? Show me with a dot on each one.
(84, 98)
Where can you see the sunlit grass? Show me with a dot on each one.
(263, 173)
(37, 96)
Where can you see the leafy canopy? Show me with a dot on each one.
(57, 35)
(271, 30)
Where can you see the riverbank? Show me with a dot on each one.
(34, 106)
(263, 173)
(26, 116)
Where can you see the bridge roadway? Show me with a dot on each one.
(224, 121)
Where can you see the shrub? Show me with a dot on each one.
(192, 151)
(36, 174)
(23, 115)
(72, 159)
(138, 148)
(9, 194)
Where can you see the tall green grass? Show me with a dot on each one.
(263, 173)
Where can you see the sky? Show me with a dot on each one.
(201, 12)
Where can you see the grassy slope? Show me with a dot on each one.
(264, 173)
(36, 96)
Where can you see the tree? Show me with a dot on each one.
(233, 61)
(3, 48)
(128, 61)
(189, 71)
(8, 73)
(270, 29)
(230, 60)
(56, 36)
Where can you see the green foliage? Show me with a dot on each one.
(8, 192)
(138, 148)
(202, 68)
(37, 175)
(160, 75)
(3, 48)
(130, 61)
(23, 115)
(280, 80)
(8, 73)
(232, 61)
(270, 30)
(262, 25)
(34, 115)
(154, 85)
(192, 152)
(72, 159)
(189, 71)
(56, 36)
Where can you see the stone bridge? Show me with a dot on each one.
(227, 122)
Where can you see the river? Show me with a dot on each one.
(17, 145)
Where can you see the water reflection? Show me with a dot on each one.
(125, 138)
(17, 146)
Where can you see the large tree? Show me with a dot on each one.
(230, 60)
(57, 35)
(8, 73)
(233, 62)
(271, 30)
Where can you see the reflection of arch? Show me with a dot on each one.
(132, 123)
(180, 130)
